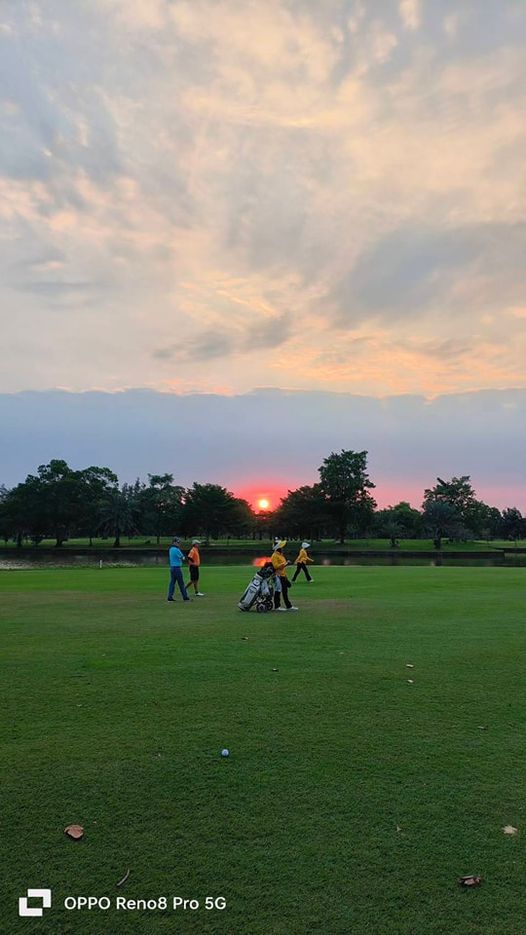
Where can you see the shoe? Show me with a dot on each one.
(282, 609)
(311, 581)
(292, 608)
(199, 594)
(170, 600)
(187, 600)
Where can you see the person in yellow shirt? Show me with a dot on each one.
(302, 561)
(279, 564)
(194, 563)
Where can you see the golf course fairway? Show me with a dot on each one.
(376, 739)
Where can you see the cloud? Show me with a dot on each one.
(411, 439)
(267, 333)
(450, 349)
(300, 193)
(416, 270)
(411, 13)
(206, 346)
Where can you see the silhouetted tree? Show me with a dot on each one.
(119, 511)
(513, 524)
(345, 484)
(401, 521)
(457, 492)
(161, 506)
(211, 510)
(98, 484)
(440, 519)
(303, 513)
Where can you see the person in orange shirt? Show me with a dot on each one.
(301, 562)
(279, 564)
(194, 563)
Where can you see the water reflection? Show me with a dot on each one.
(9, 560)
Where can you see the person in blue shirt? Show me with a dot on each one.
(176, 559)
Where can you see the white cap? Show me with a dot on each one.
(305, 545)
(196, 542)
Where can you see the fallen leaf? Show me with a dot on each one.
(409, 665)
(398, 828)
(74, 831)
(483, 728)
(244, 637)
(125, 877)
(410, 682)
(470, 880)
(509, 829)
(275, 670)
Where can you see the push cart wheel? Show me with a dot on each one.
(261, 609)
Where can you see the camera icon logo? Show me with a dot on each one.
(35, 911)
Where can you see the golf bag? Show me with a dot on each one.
(260, 591)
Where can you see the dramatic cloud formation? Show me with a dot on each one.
(264, 442)
(220, 194)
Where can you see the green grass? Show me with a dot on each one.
(116, 706)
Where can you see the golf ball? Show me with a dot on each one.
(225, 752)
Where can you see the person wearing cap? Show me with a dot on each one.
(176, 559)
(301, 562)
(279, 564)
(194, 562)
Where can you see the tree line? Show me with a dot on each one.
(60, 502)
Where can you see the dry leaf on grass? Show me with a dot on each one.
(410, 681)
(409, 665)
(125, 877)
(509, 829)
(74, 831)
(470, 880)
(398, 828)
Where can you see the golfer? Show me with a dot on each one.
(302, 561)
(176, 559)
(194, 562)
(279, 564)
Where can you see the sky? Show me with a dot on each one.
(210, 197)
(264, 442)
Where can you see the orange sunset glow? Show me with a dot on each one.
(263, 497)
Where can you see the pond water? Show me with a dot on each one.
(10, 560)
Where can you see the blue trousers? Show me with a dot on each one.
(176, 575)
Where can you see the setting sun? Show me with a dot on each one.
(263, 504)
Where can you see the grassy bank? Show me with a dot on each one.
(255, 545)
(351, 801)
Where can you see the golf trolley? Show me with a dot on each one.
(260, 592)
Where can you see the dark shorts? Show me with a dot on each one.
(194, 572)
